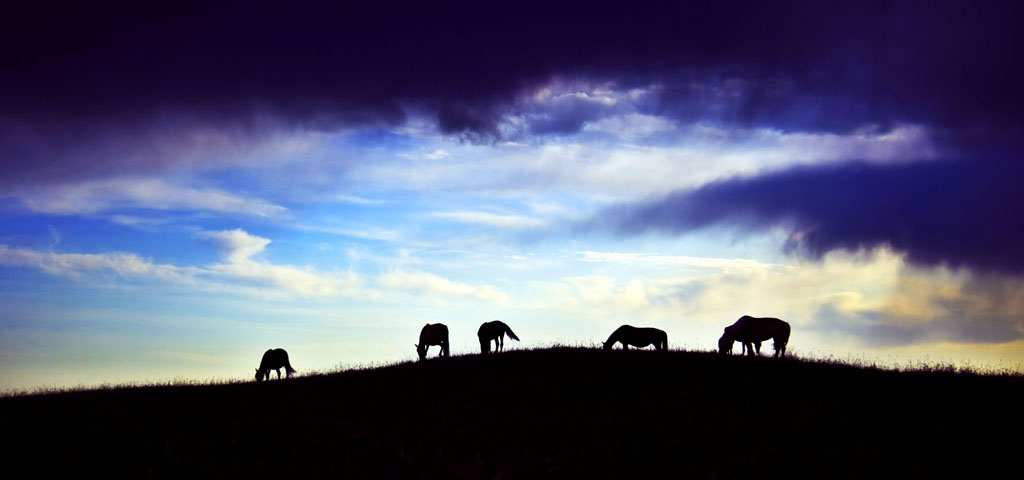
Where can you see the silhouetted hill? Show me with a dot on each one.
(526, 414)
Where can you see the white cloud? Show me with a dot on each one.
(631, 126)
(134, 192)
(136, 221)
(857, 301)
(901, 144)
(654, 259)
(428, 283)
(82, 265)
(237, 245)
(604, 293)
(561, 90)
(492, 219)
(303, 281)
(437, 154)
(355, 200)
(572, 168)
(366, 233)
(243, 272)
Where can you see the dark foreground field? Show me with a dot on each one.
(543, 413)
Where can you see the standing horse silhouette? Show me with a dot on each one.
(274, 359)
(638, 337)
(495, 331)
(433, 334)
(751, 331)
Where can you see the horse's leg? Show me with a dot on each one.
(757, 346)
(501, 343)
(779, 350)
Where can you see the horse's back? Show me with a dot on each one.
(760, 328)
(491, 329)
(434, 334)
(624, 330)
(639, 337)
(274, 358)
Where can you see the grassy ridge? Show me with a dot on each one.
(558, 412)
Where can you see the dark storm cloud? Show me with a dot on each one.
(84, 69)
(964, 213)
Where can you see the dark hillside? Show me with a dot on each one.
(524, 414)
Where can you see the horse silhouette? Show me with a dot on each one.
(433, 334)
(495, 331)
(638, 337)
(751, 331)
(274, 359)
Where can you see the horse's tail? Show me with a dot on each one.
(510, 334)
(782, 338)
(288, 370)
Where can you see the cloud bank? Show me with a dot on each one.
(964, 213)
(90, 89)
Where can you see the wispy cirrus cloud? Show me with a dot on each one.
(96, 196)
(243, 271)
(83, 265)
(240, 247)
(501, 220)
(674, 260)
(432, 285)
(619, 168)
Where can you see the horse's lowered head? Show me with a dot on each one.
(727, 340)
(421, 351)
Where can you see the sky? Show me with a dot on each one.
(184, 185)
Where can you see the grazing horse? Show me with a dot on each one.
(274, 359)
(433, 334)
(638, 337)
(495, 331)
(751, 331)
